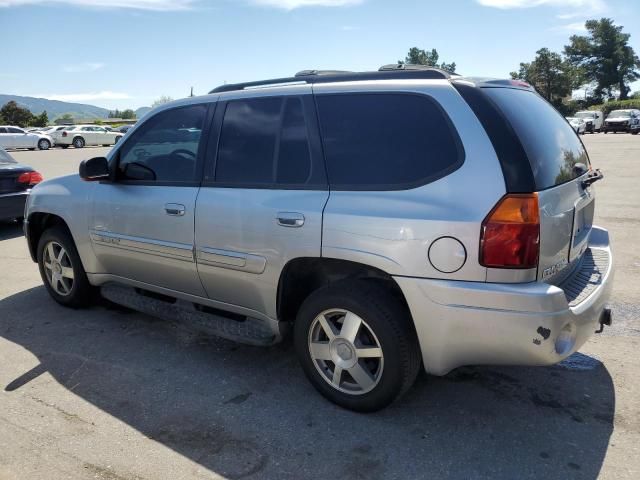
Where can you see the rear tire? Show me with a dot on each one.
(78, 142)
(61, 269)
(44, 144)
(369, 356)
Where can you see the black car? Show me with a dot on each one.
(125, 128)
(16, 181)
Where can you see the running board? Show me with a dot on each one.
(239, 328)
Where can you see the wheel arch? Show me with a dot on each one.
(36, 224)
(302, 276)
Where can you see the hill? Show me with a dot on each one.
(56, 108)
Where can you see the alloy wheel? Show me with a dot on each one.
(58, 268)
(345, 351)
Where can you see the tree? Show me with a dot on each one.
(41, 120)
(15, 115)
(552, 76)
(161, 100)
(417, 56)
(66, 118)
(127, 114)
(605, 57)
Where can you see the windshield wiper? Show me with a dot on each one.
(592, 177)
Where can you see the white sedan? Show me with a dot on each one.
(578, 124)
(85, 135)
(14, 137)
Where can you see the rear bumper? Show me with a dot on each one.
(471, 323)
(12, 205)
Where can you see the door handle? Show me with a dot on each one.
(290, 219)
(175, 209)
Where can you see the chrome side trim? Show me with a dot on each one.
(176, 251)
(245, 262)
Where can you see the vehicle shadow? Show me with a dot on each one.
(10, 229)
(248, 412)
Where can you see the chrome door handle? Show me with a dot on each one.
(290, 219)
(175, 209)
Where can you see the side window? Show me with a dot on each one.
(3, 130)
(375, 141)
(14, 130)
(165, 147)
(265, 142)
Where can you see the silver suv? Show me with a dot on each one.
(389, 219)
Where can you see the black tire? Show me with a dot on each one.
(44, 144)
(389, 320)
(65, 146)
(81, 293)
(78, 142)
(635, 132)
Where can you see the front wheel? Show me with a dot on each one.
(356, 344)
(61, 269)
(44, 144)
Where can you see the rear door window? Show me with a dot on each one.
(386, 141)
(552, 146)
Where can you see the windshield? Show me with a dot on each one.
(620, 113)
(5, 157)
(585, 115)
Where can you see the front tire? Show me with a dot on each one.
(356, 344)
(44, 144)
(61, 269)
(78, 142)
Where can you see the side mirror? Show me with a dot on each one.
(94, 169)
(580, 169)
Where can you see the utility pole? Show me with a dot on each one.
(191, 92)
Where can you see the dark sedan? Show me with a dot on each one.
(16, 181)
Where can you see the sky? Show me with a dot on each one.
(127, 53)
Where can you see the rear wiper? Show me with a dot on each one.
(592, 177)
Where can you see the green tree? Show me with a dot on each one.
(161, 100)
(127, 114)
(41, 120)
(418, 56)
(552, 76)
(15, 115)
(66, 118)
(605, 57)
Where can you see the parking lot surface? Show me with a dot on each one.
(109, 394)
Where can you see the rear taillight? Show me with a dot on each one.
(510, 235)
(30, 178)
(64, 134)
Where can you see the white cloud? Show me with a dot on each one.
(293, 4)
(83, 67)
(86, 97)
(593, 5)
(158, 5)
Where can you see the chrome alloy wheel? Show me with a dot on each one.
(345, 351)
(57, 266)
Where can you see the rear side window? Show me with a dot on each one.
(264, 142)
(552, 146)
(384, 141)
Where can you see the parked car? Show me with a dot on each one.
(623, 121)
(14, 137)
(16, 181)
(391, 219)
(577, 124)
(86, 135)
(125, 128)
(592, 118)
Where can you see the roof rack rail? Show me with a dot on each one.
(410, 66)
(328, 76)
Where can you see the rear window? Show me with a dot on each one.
(385, 141)
(551, 144)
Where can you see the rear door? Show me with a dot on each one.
(20, 138)
(6, 139)
(143, 221)
(262, 198)
(559, 162)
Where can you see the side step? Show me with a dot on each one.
(239, 328)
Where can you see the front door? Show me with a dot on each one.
(262, 207)
(143, 221)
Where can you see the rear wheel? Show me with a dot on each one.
(78, 142)
(356, 344)
(61, 269)
(44, 144)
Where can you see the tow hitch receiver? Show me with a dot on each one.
(606, 318)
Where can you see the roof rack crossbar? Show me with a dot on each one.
(320, 76)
